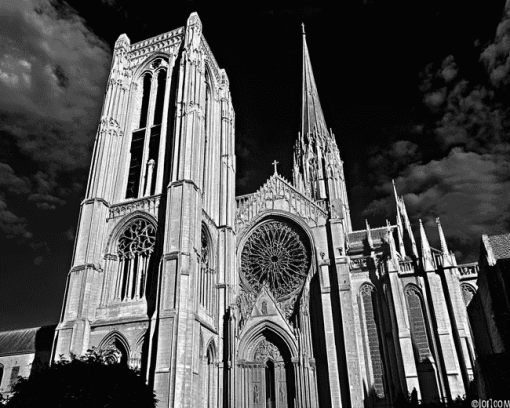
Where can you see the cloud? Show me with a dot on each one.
(10, 182)
(496, 56)
(400, 154)
(464, 177)
(53, 73)
(52, 76)
(11, 225)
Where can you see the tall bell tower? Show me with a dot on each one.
(318, 170)
(155, 235)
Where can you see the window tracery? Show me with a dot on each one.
(134, 249)
(372, 337)
(419, 334)
(206, 273)
(275, 255)
(147, 133)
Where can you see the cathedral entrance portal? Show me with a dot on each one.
(268, 377)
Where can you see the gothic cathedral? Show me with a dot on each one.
(268, 300)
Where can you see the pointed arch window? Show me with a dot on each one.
(145, 139)
(135, 248)
(206, 276)
(209, 379)
(419, 332)
(372, 338)
(207, 132)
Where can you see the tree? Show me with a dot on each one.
(94, 380)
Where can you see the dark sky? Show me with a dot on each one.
(415, 91)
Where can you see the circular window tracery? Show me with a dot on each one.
(137, 239)
(275, 255)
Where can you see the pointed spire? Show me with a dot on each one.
(393, 263)
(369, 235)
(312, 117)
(426, 252)
(442, 239)
(407, 225)
(400, 229)
(447, 255)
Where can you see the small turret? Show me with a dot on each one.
(447, 260)
(400, 229)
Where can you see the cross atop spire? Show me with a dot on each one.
(312, 118)
(275, 163)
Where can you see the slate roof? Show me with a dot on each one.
(500, 246)
(25, 341)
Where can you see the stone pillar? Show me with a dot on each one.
(445, 335)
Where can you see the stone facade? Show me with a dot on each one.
(489, 314)
(264, 300)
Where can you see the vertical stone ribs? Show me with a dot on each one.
(374, 350)
(418, 328)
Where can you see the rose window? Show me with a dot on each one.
(275, 255)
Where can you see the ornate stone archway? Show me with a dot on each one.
(268, 374)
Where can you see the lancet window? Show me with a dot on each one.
(206, 275)
(147, 131)
(207, 133)
(209, 379)
(135, 248)
(419, 332)
(372, 338)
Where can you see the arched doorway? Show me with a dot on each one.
(269, 374)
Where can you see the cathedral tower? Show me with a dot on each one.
(154, 247)
(260, 301)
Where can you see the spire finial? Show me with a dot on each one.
(442, 239)
(303, 28)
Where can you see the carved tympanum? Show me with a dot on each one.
(275, 255)
(267, 350)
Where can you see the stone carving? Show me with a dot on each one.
(366, 290)
(249, 206)
(245, 302)
(467, 293)
(256, 394)
(264, 308)
(359, 263)
(266, 350)
(287, 306)
(336, 208)
(137, 239)
(275, 255)
(159, 43)
(149, 204)
(283, 392)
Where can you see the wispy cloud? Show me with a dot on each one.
(53, 70)
(467, 181)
